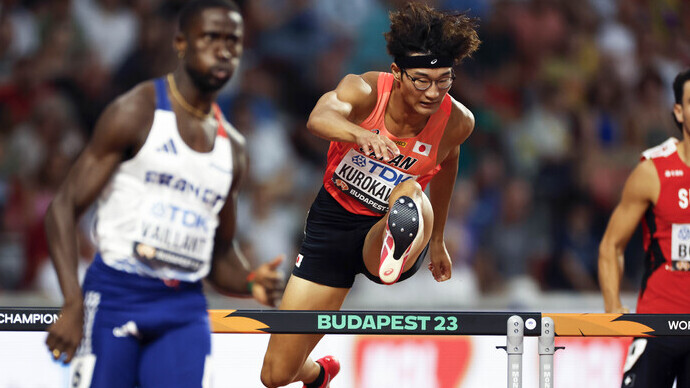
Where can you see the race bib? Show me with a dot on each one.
(680, 242)
(367, 180)
(173, 235)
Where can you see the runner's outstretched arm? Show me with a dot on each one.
(231, 272)
(460, 127)
(117, 132)
(337, 113)
(640, 191)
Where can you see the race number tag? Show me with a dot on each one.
(369, 181)
(680, 242)
(173, 234)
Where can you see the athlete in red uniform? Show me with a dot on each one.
(656, 193)
(390, 135)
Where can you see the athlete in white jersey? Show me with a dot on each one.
(164, 168)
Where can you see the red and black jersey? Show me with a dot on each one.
(666, 228)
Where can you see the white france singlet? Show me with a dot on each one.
(158, 214)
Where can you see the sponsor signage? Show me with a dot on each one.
(20, 319)
(365, 322)
(620, 325)
(400, 322)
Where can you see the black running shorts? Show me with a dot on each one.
(656, 362)
(331, 252)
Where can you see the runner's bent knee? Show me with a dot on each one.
(409, 187)
(275, 374)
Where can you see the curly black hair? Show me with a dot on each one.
(418, 28)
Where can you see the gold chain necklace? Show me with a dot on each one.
(180, 100)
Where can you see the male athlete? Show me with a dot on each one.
(656, 193)
(391, 134)
(164, 167)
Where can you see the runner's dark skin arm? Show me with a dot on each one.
(229, 267)
(121, 130)
(229, 276)
(459, 128)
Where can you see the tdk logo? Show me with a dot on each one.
(670, 173)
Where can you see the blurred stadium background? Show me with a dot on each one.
(566, 95)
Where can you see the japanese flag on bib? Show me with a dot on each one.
(422, 148)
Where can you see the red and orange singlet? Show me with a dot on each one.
(362, 183)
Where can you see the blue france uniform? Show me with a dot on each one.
(145, 320)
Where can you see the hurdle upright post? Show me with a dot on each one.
(514, 347)
(547, 347)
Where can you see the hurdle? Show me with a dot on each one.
(515, 326)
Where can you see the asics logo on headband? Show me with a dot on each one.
(431, 61)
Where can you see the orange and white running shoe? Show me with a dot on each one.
(331, 367)
(404, 222)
